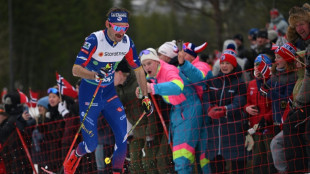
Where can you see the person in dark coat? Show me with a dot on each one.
(223, 103)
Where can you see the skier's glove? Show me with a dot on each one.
(101, 74)
(147, 105)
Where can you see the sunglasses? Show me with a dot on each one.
(145, 52)
(52, 90)
(118, 28)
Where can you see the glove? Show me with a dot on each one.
(217, 112)
(264, 89)
(249, 142)
(62, 108)
(149, 141)
(147, 105)
(101, 74)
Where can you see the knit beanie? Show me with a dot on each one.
(229, 58)
(149, 53)
(168, 49)
(287, 52)
(43, 102)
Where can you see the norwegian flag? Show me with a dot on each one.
(33, 98)
(264, 68)
(65, 87)
(23, 97)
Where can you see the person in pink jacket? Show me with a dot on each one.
(167, 82)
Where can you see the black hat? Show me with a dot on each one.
(12, 102)
(239, 37)
(123, 66)
(262, 34)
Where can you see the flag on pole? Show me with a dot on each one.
(65, 88)
(33, 98)
(23, 97)
(264, 68)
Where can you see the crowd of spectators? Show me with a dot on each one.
(243, 110)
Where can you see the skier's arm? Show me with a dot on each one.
(79, 71)
(139, 72)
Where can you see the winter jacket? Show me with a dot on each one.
(197, 72)
(225, 135)
(281, 87)
(168, 84)
(278, 24)
(264, 104)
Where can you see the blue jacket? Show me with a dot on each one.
(225, 135)
(281, 88)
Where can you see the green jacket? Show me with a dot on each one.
(133, 108)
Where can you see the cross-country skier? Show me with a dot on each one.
(96, 61)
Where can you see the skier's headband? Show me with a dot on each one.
(118, 17)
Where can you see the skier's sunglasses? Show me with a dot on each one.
(52, 90)
(118, 28)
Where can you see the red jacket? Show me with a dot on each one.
(264, 104)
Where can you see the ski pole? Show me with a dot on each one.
(107, 160)
(26, 149)
(161, 118)
(133, 127)
(89, 106)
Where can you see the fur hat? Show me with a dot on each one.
(297, 14)
(168, 49)
(149, 53)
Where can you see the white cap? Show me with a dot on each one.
(168, 49)
(151, 55)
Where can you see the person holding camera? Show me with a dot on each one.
(258, 108)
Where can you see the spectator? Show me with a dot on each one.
(279, 88)
(294, 129)
(144, 144)
(223, 101)
(258, 138)
(277, 22)
(58, 111)
(273, 36)
(17, 118)
(252, 36)
(264, 45)
(40, 149)
(238, 38)
(207, 58)
(196, 72)
(228, 46)
(167, 82)
(168, 52)
(299, 34)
